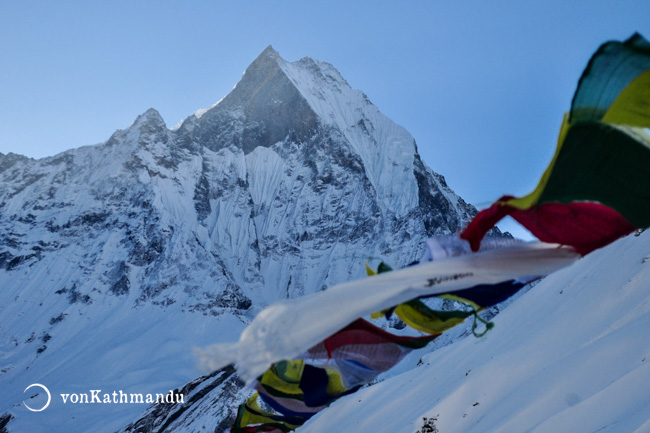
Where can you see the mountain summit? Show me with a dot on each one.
(116, 259)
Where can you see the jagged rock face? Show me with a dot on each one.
(209, 403)
(263, 109)
(4, 421)
(281, 189)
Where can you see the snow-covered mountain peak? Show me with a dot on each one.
(149, 122)
(148, 128)
(150, 117)
(301, 102)
(269, 52)
(9, 159)
(264, 65)
(282, 188)
(384, 148)
(325, 71)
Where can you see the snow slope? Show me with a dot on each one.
(570, 355)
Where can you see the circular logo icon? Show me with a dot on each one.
(47, 391)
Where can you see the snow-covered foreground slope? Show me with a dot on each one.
(571, 355)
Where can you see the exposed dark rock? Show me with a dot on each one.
(57, 319)
(121, 286)
(263, 109)
(219, 388)
(5, 419)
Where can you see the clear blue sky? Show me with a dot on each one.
(481, 85)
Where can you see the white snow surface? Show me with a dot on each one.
(570, 355)
(385, 148)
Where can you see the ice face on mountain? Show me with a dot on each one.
(116, 259)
